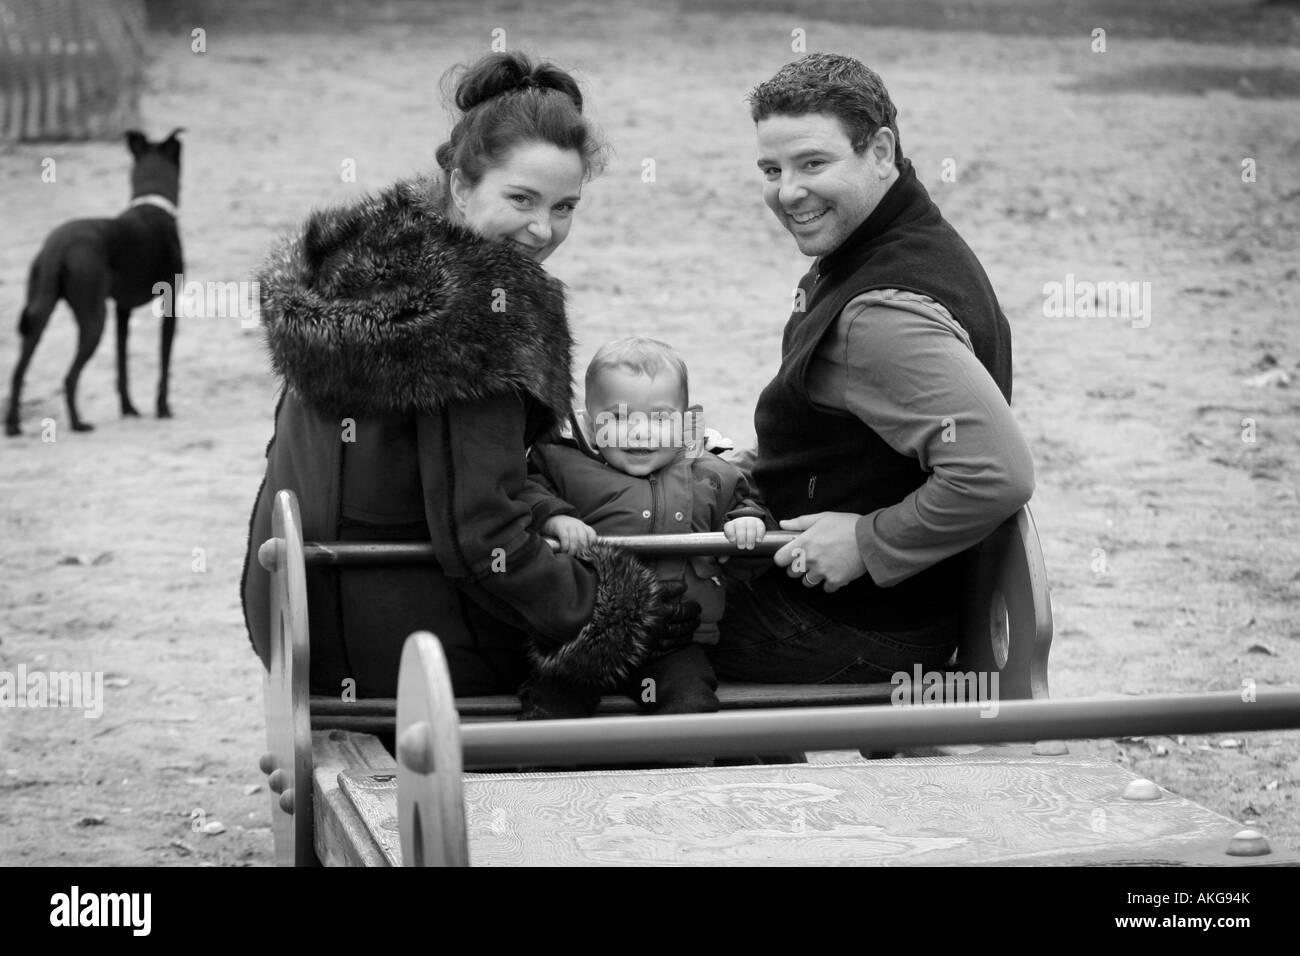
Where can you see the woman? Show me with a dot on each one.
(423, 350)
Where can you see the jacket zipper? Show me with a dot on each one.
(812, 487)
(654, 503)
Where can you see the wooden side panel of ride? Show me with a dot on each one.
(339, 797)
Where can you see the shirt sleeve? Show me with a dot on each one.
(900, 363)
(745, 504)
(744, 460)
(540, 493)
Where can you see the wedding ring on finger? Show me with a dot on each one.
(809, 582)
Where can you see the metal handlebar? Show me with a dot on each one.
(693, 544)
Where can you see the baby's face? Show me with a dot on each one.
(637, 420)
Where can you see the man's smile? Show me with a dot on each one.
(807, 218)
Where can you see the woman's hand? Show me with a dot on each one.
(575, 536)
(680, 621)
(826, 554)
(745, 532)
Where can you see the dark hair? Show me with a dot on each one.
(506, 99)
(830, 83)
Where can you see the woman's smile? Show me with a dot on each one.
(531, 250)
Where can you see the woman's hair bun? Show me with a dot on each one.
(499, 73)
(505, 99)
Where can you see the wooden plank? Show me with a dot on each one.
(1007, 624)
(372, 804)
(342, 837)
(430, 801)
(285, 689)
(990, 808)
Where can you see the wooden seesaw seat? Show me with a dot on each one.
(339, 797)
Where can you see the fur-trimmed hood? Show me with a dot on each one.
(386, 306)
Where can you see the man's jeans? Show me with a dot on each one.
(769, 638)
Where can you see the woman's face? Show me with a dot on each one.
(528, 198)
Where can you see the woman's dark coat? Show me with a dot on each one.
(419, 363)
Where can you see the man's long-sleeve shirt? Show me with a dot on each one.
(899, 362)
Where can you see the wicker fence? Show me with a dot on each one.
(70, 69)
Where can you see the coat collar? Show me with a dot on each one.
(386, 306)
(900, 201)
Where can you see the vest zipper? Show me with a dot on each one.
(812, 487)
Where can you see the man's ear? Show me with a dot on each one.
(881, 149)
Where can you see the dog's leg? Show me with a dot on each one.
(123, 392)
(42, 297)
(168, 333)
(30, 327)
(90, 328)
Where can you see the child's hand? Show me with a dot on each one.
(575, 536)
(744, 533)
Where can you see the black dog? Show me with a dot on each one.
(89, 260)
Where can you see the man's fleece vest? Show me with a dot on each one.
(811, 460)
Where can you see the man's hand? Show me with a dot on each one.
(575, 536)
(745, 532)
(826, 553)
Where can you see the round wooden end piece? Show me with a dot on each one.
(415, 748)
(279, 780)
(1141, 790)
(268, 554)
(1248, 843)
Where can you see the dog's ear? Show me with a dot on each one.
(136, 142)
(171, 146)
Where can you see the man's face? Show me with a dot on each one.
(818, 187)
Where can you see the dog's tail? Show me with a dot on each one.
(26, 323)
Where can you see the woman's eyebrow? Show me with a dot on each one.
(536, 195)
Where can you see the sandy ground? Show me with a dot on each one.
(122, 548)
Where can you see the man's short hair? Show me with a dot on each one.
(641, 355)
(835, 84)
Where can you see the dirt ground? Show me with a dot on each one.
(1171, 538)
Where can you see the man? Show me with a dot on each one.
(885, 439)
